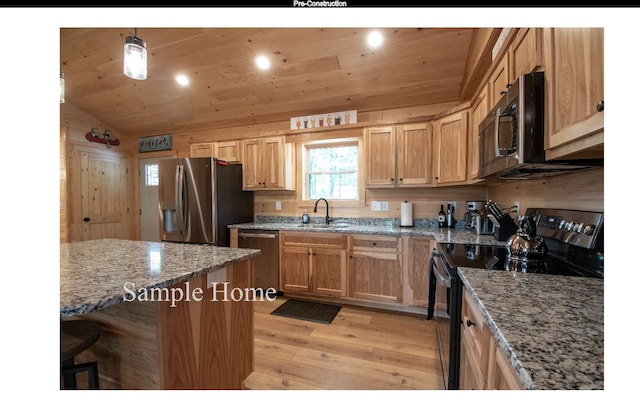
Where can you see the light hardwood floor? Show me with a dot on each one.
(361, 349)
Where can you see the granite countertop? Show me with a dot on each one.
(442, 235)
(551, 328)
(93, 273)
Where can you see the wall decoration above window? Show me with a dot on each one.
(322, 120)
(154, 143)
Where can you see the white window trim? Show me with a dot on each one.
(306, 203)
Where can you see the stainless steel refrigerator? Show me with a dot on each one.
(199, 198)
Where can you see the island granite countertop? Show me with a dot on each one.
(550, 328)
(93, 273)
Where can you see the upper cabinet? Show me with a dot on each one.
(399, 156)
(525, 52)
(479, 110)
(574, 73)
(450, 151)
(268, 164)
(227, 151)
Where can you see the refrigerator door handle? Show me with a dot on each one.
(180, 198)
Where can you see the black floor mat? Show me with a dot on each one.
(308, 311)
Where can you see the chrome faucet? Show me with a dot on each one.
(315, 209)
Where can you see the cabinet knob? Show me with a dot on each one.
(503, 92)
(600, 106)
(374, 243)
(508, 85)
(86, 219)
(392, 179)
(470, 323)
(401, 179)
(437, 177)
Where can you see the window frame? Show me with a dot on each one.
(304, 147)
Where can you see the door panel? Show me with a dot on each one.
(149, 203)
(103, 180)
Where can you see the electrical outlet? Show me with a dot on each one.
(517, 206)
(376, 206)
(278, 205)
(385, 206)
(454, 204)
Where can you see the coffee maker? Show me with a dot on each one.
(475, 217)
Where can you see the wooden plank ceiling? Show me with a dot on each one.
(314, 70)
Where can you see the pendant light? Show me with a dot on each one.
(135, 57)
(61, 86)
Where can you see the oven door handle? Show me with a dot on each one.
(446, 282)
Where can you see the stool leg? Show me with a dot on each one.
(69, 379)
(94, 383)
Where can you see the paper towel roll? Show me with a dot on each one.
(406, 214)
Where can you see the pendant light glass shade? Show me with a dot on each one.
(135, 58)
(61, 87)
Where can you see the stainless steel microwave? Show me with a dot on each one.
(513, 132)
(511, 137)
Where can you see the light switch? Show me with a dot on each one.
(375, 206)
(278, 205)
(385, 206)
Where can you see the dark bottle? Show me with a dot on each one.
(441, 217)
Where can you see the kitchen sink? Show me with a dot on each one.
(324, 226)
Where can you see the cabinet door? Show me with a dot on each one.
(501, 375)
(375, 276)
(577, 84)
(414, 154)
(273, 164)
(227, 151)
(474, 338)
(416, 264)
(202, 150)
(471, 377)
(526, 51)
(479, 111)
(295, 268)
(451, 149)
(329, 272)
(252, 166)
(499, 80)
(381, 156)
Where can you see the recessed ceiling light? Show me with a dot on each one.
(182, 80)
(375, 39)
(263, 63)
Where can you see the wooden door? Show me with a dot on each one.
(414, 154)
(103, 180)
(416, 287)
(227, 151)
(381, 156)
(294, 269)
(479, 111)
(451, 149)
(252, 168)
(273, 164)
(375, 276)
(577, 84)
(329, 272)
(498, 81)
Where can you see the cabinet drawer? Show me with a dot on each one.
(315, 240)
(375, 242)
(475, 329)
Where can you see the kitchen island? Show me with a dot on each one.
(550, 328)
(174, 316)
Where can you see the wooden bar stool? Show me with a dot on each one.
(75, 337)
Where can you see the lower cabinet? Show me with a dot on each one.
(313, 263)
(482, 363)
(375, 268)
(416, 255)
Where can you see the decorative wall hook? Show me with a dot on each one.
(107, 137)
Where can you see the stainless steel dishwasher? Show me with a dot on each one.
(266, 266)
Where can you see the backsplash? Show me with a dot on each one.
(386, 222)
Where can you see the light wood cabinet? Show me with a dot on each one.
(399, 156)
(375, 268)
(313, 263)
(227, 151)
(479, 110)
(498, 80)
(417, 253)
(526, 51)
(268, 164)
(450, 152)
(574, 73)
(482, 363)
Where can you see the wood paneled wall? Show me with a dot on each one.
(578, 191)
(74, 124)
